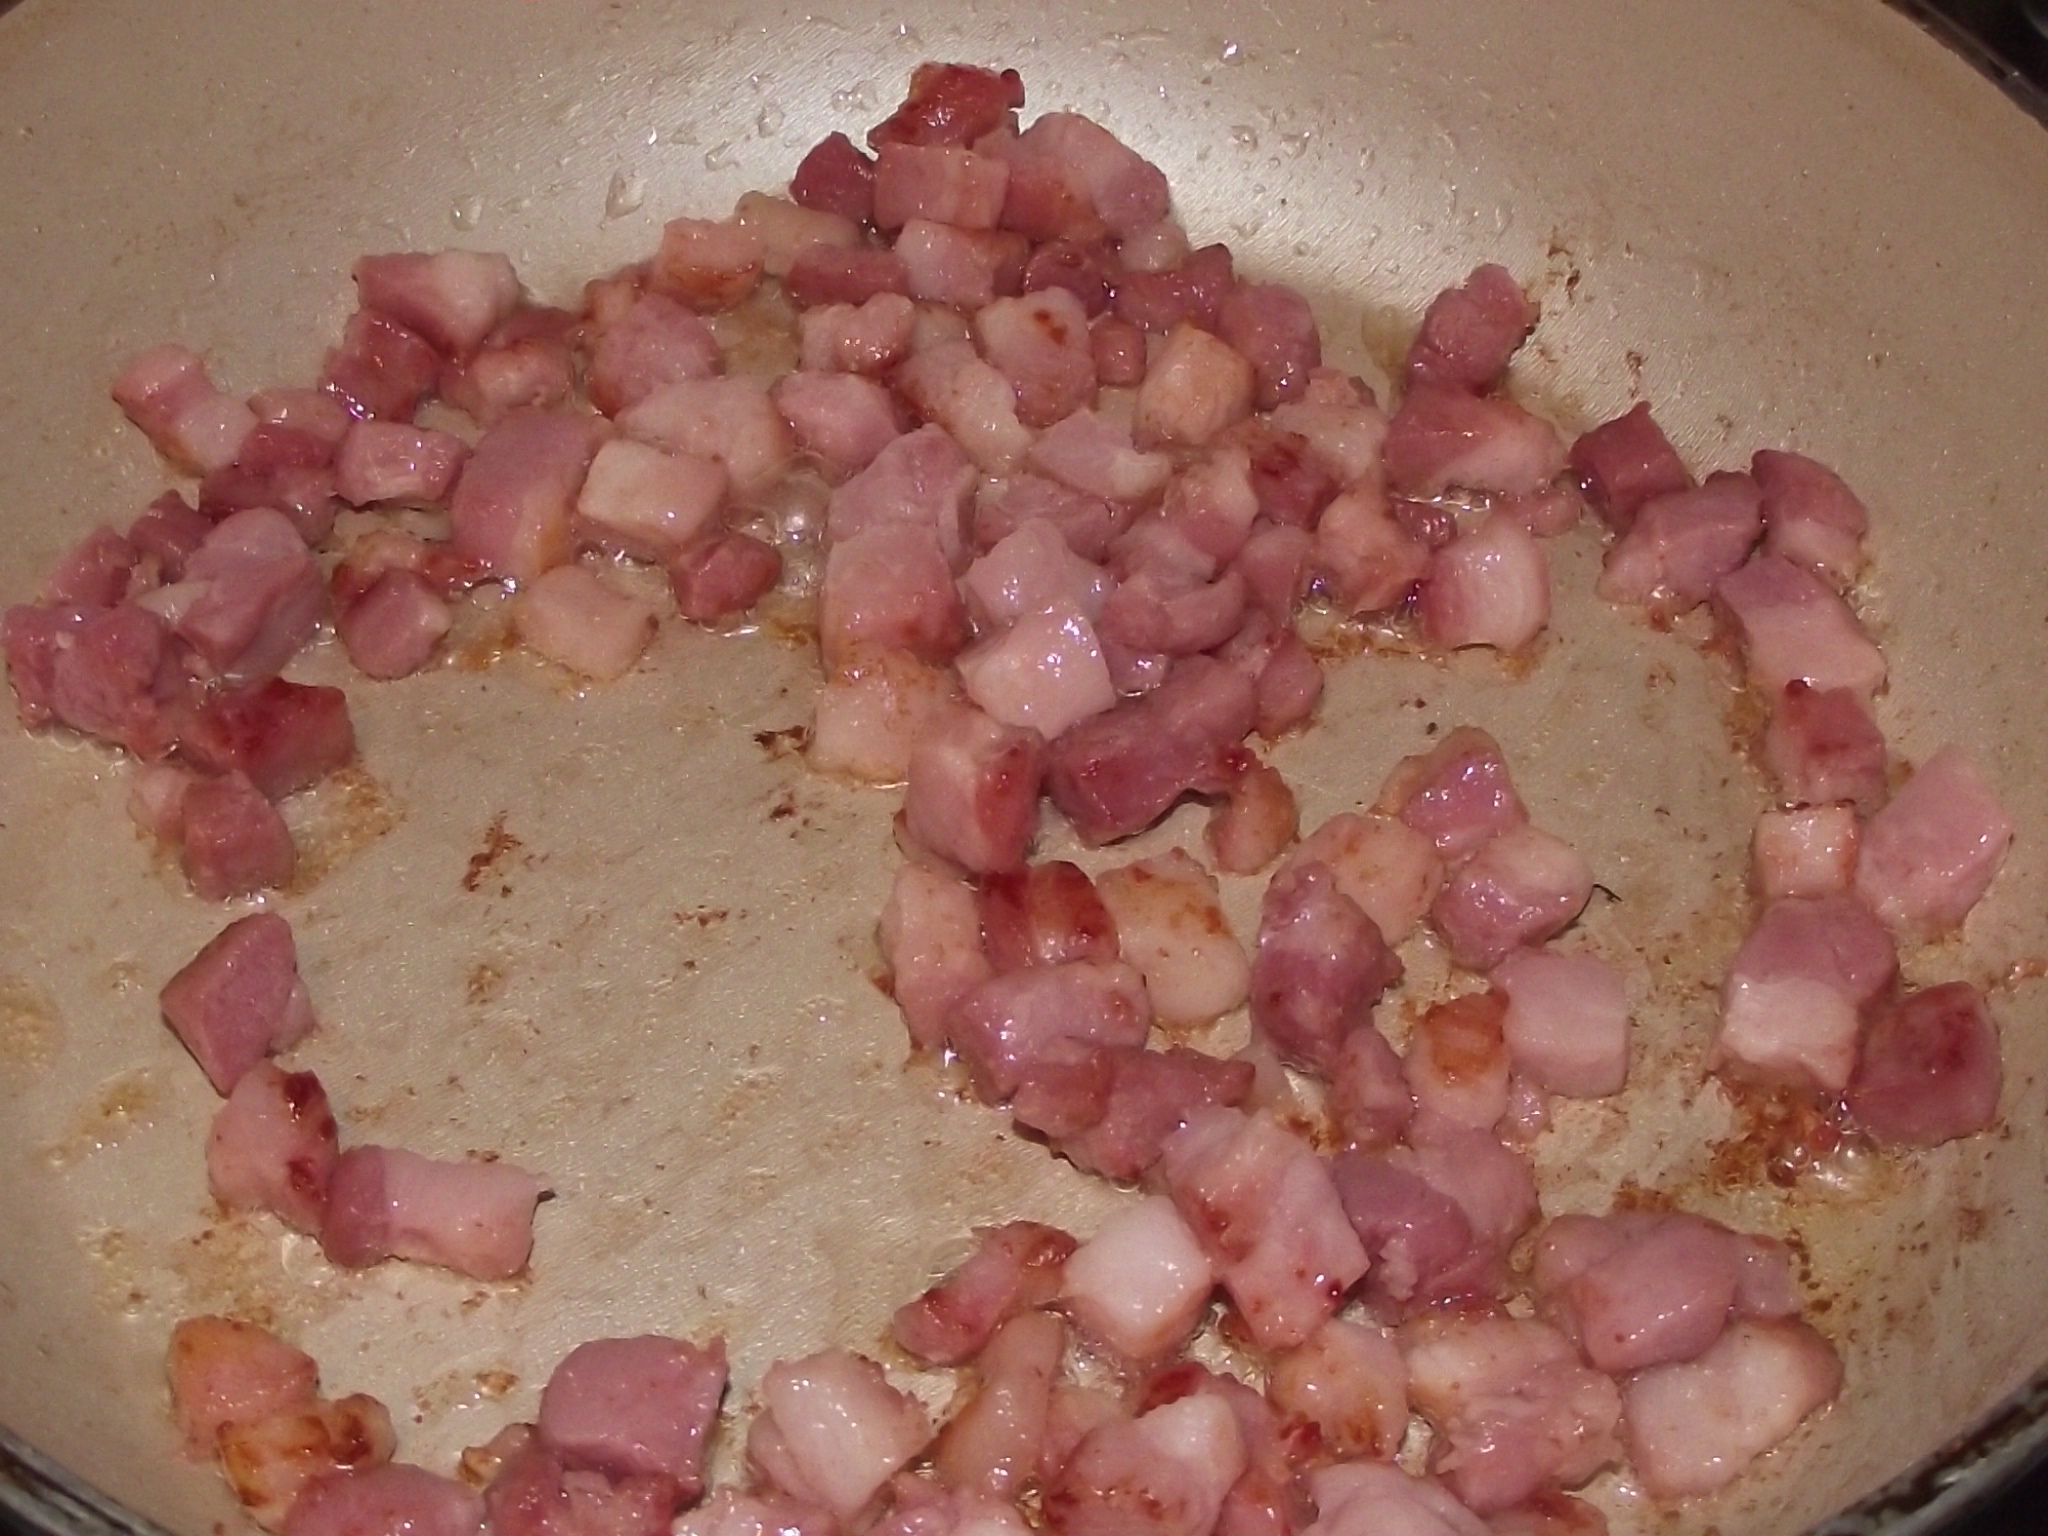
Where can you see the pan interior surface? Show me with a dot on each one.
(618, 934)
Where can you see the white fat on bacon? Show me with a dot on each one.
(1171, 925)
(1141, 1282)
(832, 1431)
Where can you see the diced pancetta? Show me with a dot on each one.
(1350, 1381)
(1046, 671)
(930, 936)
(1272, 326)
(1040, 343)
(1170, 924)
(1488, 587)
(1811, 517)
(1521, 887)
(525, 364)
(1032, 570)
(393, 629)
(964, 269)
(453, 298)
(1319, 968)
(273, 1146)
(639, 501)
(824, 274)
(706, 264)
(723, 576)
(785, 228)
(1195, 388)
(1014, 1268)
(1457, 1062)
(835, 177)
(239, 999)
(1458, 794)
(832, 1431)
(475, 1218)
(224, 1371)
(1928, 857)
(1141, 1282)
(234, 841)
(945, 183)
(1145, 1096)
(950, 385)
(1682, 543)
(1125, 191)
(1441, 439)
(1257, 818)
(1084, 269)
(256, 595)
(655, 342)
(385, 461)
(1367, 559)
(731, 420)
(1567, 1021)
(972, 794)
(889, 588)
(1010, 1025)
(1794, 628)
(919, 479)
(1389, 868)
(1806, 852)
(1624, 462)
(1371, 1498)
(511, 512)
(1177, 286)
(285, 736)
(532, 1494)
(166, 392)
(867, 338)
(1793, 1001)
(870, 718)
(270, 1461)
(393, 1497)
(840, 419)
(1821, 746)
(1088, 523)
(573, 617)
(1470, 332)
(1089, 452)
(635, 1407)
(1929, 1070)
(381, 368)
(1164, 1473)
(168, 531)
(991, 1446)
(1044, 914)
(1119, 350)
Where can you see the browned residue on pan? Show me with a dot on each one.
(497, 843)
(30, 1026)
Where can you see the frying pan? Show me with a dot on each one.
(619, 936)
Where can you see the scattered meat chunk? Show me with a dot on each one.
(1258, 817)
(1040, 343)
(1016, 1267)
(1046, 671)
(1458, 794)
(722, 577)
(270, 1461)
(273, 1146)
(832, 1431)
(1194, 388)
(972, 795)
(950, 384)
(1488, 587)
(475, 1218)
(1369, 1100)
(943, 183)
(835, 177)
(1170, 924)
(705, 264)
(381, 369)
(731, 420)
(1811, 517)
(635, 1407)
(1523, 886)
(1370, 1498)
(1624, 462)
(840, 419)
(1443, 439)
(1696, 1426)
(889, 588)
(1369, 561)
(1793, 1001)
(525, 364)
(234, 841)
(239, 999)
(1182, 287)
(656, 342)
(395, 627)
(1807, 852)
(285, 736)
(388, 461)
(1469, 332)
(1032, 570)
(1567, 1021)
(871, 717)
(930, 936)
(166, 392)
(511, 510)
(224, 1371)
(1272, 327)
(1457, 1063)
(866, 338)
(991, 1446)
(1389, 868)
(1794, 628)
(1929, 1069)
(1681, 544)
(1350, 1381)
(1017, 1022)
(824, 274)
(532, 1494)
(255, 596)
(1928, 857)
(951, 104)
(453, 298)
(786, 229)
(1821, 745)
(389, 1498)
(1164, 1473)
(1044, 914)
(574, 617)
(1141, 1282)
(638, 501)
(1320, 966)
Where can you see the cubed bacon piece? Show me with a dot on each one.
(574, 617)
(1014, 1268)
(314, 412)
(1794, 628)
(1370, 1498)
(453, 298)
(1514, 1409)
(1006, 1028)
(166, 392)
(650, 505)
(1120, 771)
(1118, 348)
(1211, 504)
(1458, 794)
(705, 264)
(1293, 485)
(724, 577)
(525, 364)
(382, 461)
(840, 419)
(1811, 517)
(1369, 562)
(731, 420)
(1085, 271)
(1793, 1001)
(655, 342)
(867, 338)
(889, 588)
(930, 935)
(1148, 1097)
(1089, 524)
(1160, 247)
(1929, 1069)
(235, 842)
(951, 104)
(870, 719)
(239, 999)
(168, 530)
(93, 573)
(1419, 1238)
(823, 274)
(394, 1497)
(1822, 746)
(1264, 1208)
(1320, 966)
(1442, 439)
(835, 177)
(1681, 544)
(381, 368)
(942, 183)
(1342, 423)
(972, 795)
(257, 596)
(1087, 451)
(273, 1146)
(1141, 1282)
(1044, 914)
(1369, 1100)
(786, 228)
(991, 1446)
(475, 1218)
(224, 1371)
(1695, 1427)
(919, 479)
(1273, 328)
(950, 385)
(532, 1494)
(1928, 857)
(1350, 1381)
(1492, 1183)
(1807, 852)
(1045, 672)
(1523, 886)
(1170, 924)
(1125, 191)
(1567, 1021)
(1188, 290)
(1488, 587)
(156, 800)
(1032, 570)
(95, 670)
(635, 1407)
(1195, 388)
(1624, 462)
(1471, 331)
(1457, 1062)
(1389, 868)
(394, 628)
(1164, 1473)
(285, 736)
(1040, 343)
(832, 1431)
(1290, 680)
(270, 1461)
(511, 511)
